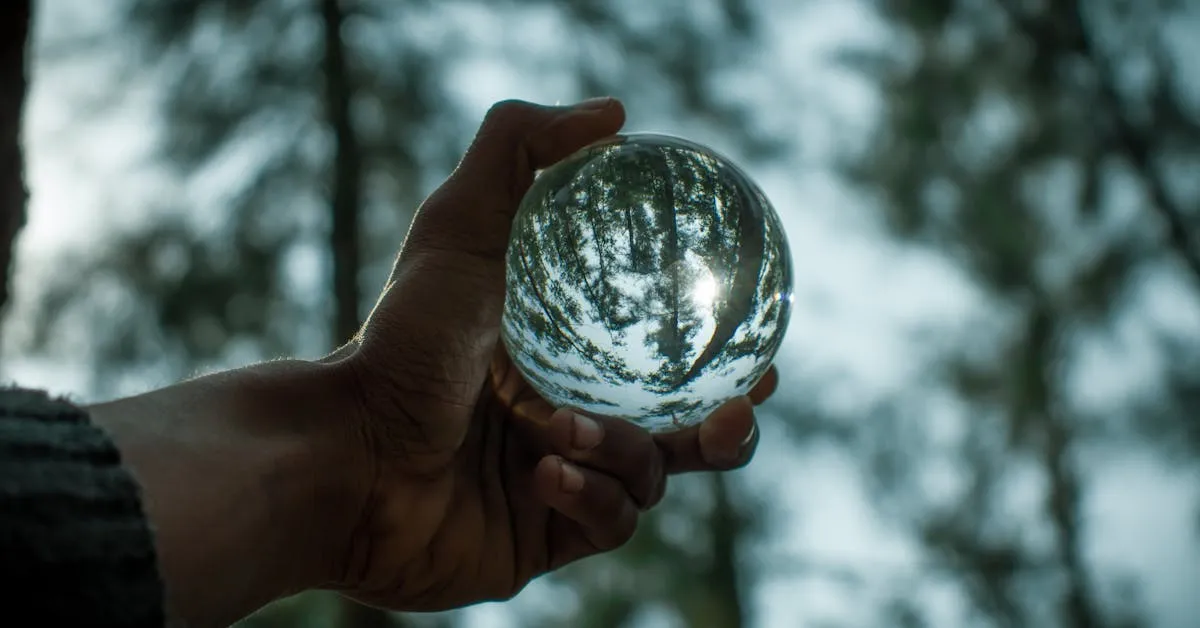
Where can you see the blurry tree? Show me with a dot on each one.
(303, 134)
(327, 142)
(277, 182)
(1042, 147)
(14, 37)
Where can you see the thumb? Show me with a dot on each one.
(449, 278)
(471, 213)
(437, 323)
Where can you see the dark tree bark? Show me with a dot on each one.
(727, 527)
(344, 238)
(14, 37)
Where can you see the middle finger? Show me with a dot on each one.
(612, 446)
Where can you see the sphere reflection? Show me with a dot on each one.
(648, 278)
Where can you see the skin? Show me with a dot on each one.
(412, 469)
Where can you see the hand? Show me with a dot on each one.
(470, 484)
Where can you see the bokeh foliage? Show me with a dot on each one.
(1041, 149)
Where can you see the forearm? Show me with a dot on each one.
(226, 463)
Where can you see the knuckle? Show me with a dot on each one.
(625, 527)
(561, 433)
(613, 499)
(730, 464)
(645, 451)
(654, 479)
(742, 460)
(739, 463)
(506, 112)
(658, 491)
(620, 529)
(632, 456)
(632, 446)
(504, 591)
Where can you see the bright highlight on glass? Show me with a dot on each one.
(648, 279)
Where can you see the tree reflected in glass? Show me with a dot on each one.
(648, 279)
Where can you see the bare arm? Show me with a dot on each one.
(246, 502)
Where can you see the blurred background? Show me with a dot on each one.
(989, 414)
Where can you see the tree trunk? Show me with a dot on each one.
(727, 530)
(721, 605)
(344, 238)
(345, 206)
(14, 37)
(1077, 608)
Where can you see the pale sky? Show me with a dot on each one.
(857, 295)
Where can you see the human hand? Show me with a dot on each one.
(470, 484)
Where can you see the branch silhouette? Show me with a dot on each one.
(1066, 33)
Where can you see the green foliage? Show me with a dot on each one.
(1001, 147)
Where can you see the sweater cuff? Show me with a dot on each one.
(76, 548)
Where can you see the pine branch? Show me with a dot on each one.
(1139, 149)
(1073, 37)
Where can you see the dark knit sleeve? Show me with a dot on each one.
(75, 546)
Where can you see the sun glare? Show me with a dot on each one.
(704, 291)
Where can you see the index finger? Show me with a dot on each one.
(725, 440)
(765, 387)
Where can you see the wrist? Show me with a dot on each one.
(309, 418)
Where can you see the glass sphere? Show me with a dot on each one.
(648, 278)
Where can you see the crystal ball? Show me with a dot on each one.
(648, 278)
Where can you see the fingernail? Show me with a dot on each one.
(749, 437)
(571, 480)
(594, 103)
(734, 454)
(585, 433)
